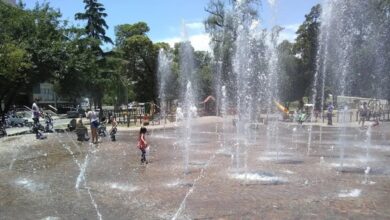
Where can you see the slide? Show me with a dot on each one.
(281, 107)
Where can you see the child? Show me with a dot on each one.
(81, 131)
(142, 144)
(113, 128)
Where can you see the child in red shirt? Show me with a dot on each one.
(142, 144)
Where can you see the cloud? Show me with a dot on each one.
(198, 41)
(201, 42)
(284, 35)
(291, 27)
(170, 41)
(195, 26)
(289, 32)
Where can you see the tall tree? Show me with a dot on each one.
(220, 26)
(204, 72)
(306, 46)
(140, 56)
(96, 25)
(289, 75)
(95, 30)
(78, 61)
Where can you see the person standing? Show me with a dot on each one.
(94, 121)
(330, 113)
(142, 144)
(36, 113)
(363, 113)
(113, 129)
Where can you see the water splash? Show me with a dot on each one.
(188, 82)
(81, 176)
(164, 74)
(350, 193)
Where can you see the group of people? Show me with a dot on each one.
(364, 114)
(82, 132)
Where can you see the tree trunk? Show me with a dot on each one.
(100, 105)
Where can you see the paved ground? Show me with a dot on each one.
(295, 174)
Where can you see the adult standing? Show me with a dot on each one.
(94, 121)
(36, 113)
(330, 113)
(363, 112)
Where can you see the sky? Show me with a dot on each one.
(165, 17)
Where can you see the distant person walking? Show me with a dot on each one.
(330, 113)
(94, 120)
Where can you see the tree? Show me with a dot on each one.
(78, 61)
(204, 72)
(140, 56)
(96, 25)
(31, 49)
(124, 31)
(358, 48)
(306, 47)
(220, 26)
(289, 76)
(95, 30)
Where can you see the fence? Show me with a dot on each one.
(354, 115)
(129, 118)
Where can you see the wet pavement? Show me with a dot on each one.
(229, 177)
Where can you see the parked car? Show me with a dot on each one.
(17, 120)
(27, 117)
(75, 113)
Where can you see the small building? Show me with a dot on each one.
(46, 95)
(209, 106)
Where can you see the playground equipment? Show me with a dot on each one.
(281, 107)
(284, 110)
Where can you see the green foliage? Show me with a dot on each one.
(14, 60)
(101, 69)
(139, 59)
(306, 46)
(221, 28)
(31, 48)
(290, 76)
(124, 31)
(78, 67)
(204, 72)
(96, 25)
